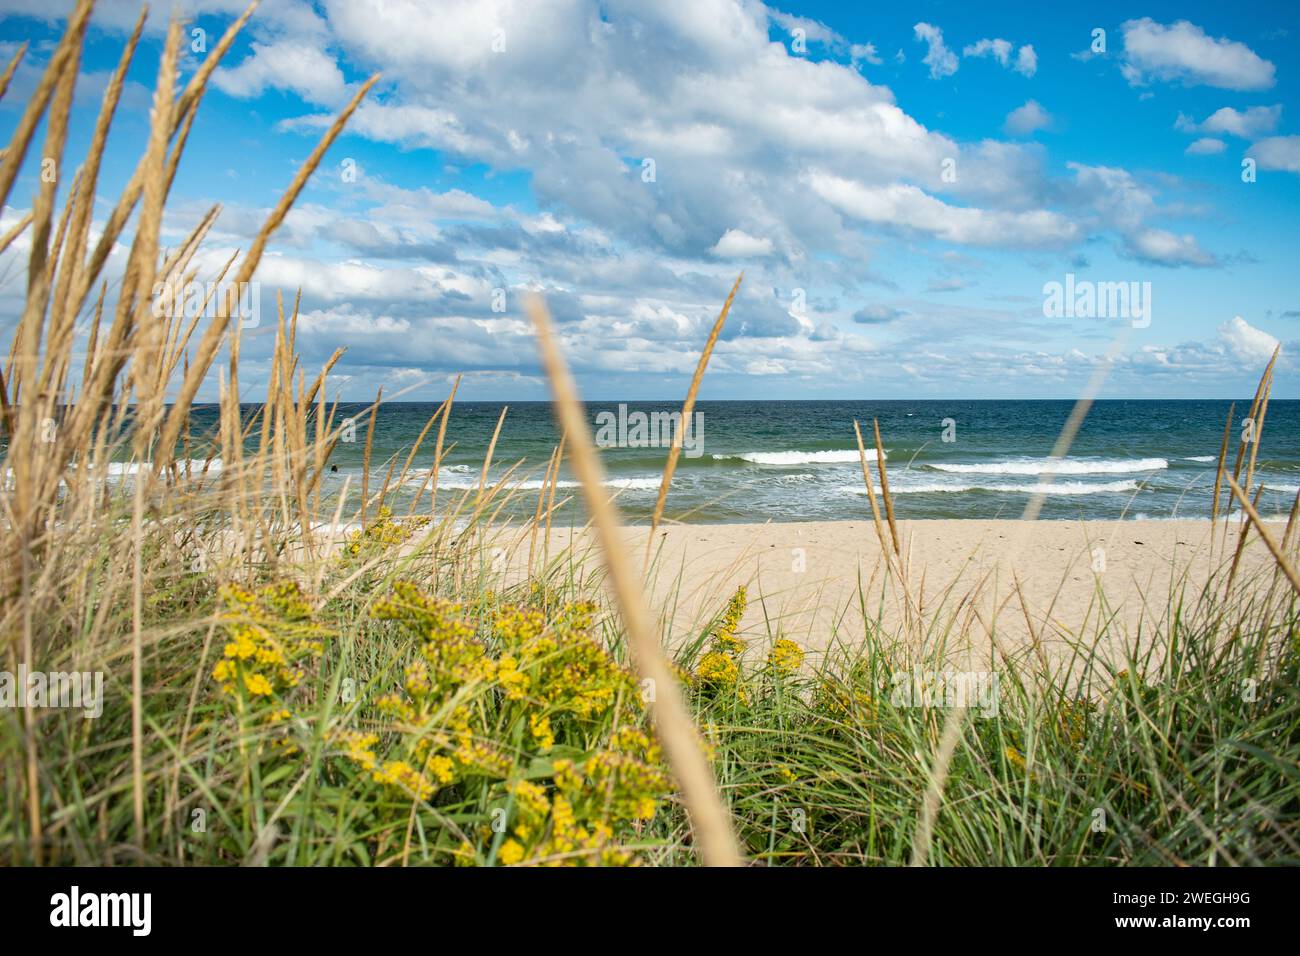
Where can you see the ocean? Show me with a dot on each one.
(798, 461)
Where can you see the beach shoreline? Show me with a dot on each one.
(996, 582)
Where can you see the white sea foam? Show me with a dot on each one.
(115, 469)
(1035, 488)
(527, 484)
(1045, 466)
(800, 457)
(797, 478)
(1201, 458)
(535, 484)
(1282, 489)
(634, 484)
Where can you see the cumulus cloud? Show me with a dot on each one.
(941, 60)
(800, 162)
(1161, 247)
(1184, 52)
(738, 244)
(909, 208)
(1026, 61)
(1206, 146)
(1245, 341)
(1246, 124)
(733, 138)
(1024, 120)
(296, 67)
(1278, 152)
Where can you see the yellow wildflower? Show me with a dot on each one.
(257, 685)
(400, 774)
(511, 852)
(717, 668)
(786, 657)
(540, 728)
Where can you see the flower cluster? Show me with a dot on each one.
(383, 533)
(577, 818)
(490, 692)
(719, 669)
(271, 636)
(438, 726)
(785, 657)
(724, 637)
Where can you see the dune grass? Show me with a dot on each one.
(294, 679)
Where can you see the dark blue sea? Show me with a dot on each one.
(798, 461)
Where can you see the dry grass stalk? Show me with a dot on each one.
(1253, 515)
(552, 464)
(688, 408)
(871, 492)
(550, 499)
(8, 74)
(33, 386)
(680, 740)
(1218, 474)
(149, 401)
(437, 448)
(15, 231)
(1246, 436)
(365, 461)
(1291, 523)
(491, 449)
(1266, 389)
(884, 490)
(1242, 537)
(951, 734)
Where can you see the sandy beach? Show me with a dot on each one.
(818, 582)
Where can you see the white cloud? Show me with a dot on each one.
(1245, 341)
(297, 67)
(1277, 152)
(814, 31)
(1246, 124)
(1183, 51)
(908, 207)
(737, 244)
(1206, 147)
(865, 53)
(1000, 50)
(941, 61)
(1161, 247)
(1024, 120)
(1026, 61)
(802, 162)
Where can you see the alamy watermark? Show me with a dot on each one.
(1084, 299)
(975, 690)
(188, 300)
(83, 690)
(133, 911)
(649, 430)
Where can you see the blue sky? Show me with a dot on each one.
(898, 184)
